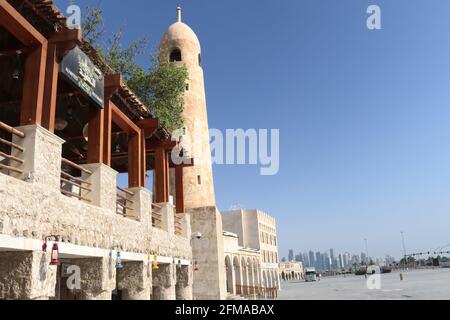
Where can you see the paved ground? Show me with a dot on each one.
(416, 284)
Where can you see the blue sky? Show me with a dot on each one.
(363, 115)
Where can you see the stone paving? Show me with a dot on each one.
(416, 285)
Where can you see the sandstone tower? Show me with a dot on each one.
(180, 45)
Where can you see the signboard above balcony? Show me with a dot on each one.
(79, 69)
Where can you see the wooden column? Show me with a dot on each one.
(50, 89)
(107, 132)
(33, 86)
(33, 89)
(161, 176)
(134, 160)
(179, 191)
(59, 44)
(112, 84)
(96, 130)
(143, 181)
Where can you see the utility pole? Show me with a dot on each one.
(404, 249)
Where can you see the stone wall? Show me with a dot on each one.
(33, 207)
(37, 209)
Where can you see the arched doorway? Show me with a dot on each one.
(229, 273)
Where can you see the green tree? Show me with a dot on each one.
(160, 88)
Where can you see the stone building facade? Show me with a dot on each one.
(251, 253)
(292, 270)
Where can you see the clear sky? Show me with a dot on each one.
(363, 115)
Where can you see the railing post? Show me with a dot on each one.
(103, 186)
(41, 156)
(142, 205)
(168, 218)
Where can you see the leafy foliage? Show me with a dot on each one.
(160, 88)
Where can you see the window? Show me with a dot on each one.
(187, 87)
(175, 55)
(199, 179)
(199, 59)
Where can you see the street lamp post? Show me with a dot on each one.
(404, 249)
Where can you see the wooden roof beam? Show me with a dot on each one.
(17, 25)
(165, 144)
(125, 123)
(68, 35)
(149, 126)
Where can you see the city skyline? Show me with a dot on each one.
(344, 258)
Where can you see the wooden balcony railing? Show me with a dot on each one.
(8, 147)
(178, 224)
(156, 215)
(124, 202)
(72, 185)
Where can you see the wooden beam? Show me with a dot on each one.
(134, 160)
(113, 81)
(50, 89)
(95, 140)
(149, 125)
(143, 161)
(67, 35)
(186, 164)
(17, 25)
(165, 144)
(107, 132)
(33, 89)
(161, 174)
(125, 123)
(179, 190)
(15, 52)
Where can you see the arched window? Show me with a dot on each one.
(175, 55)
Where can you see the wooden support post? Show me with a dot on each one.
(134, 160)
(107, 132)
(143, 160)
(179, 202)
(50, 89)
(33, 88)
(96, 140)
(161, 174)
(112, 84)
(58, 45)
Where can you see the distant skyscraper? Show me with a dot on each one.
(306, 260)
(312, 261)
(332, 254)
(318, 261)
(326, 262)
(291, 255)
(347, 258)
(340, 261)
(363, 257)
